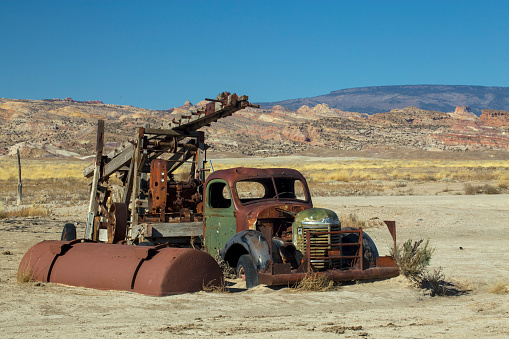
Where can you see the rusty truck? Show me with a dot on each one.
(262, 222)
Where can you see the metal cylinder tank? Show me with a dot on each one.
(151, 270)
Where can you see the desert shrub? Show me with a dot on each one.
(480, 189)
(314, 283)
(499, 287)
(470, 189)
(399, 184)
(412, 257)
(490, 189)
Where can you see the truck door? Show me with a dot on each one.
(219, 213)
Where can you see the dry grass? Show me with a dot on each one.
(499, 287)
(221, 288)
(392, 169)
(42, 169)
(315, 170)
(25, 274)
(44, 191)
(336, 188)
(27, 211)
(365, 177)
(503, 184)
(228, 271)
(46, 181)
(352, 220)
(314, 283)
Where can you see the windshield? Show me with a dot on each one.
(252, 190)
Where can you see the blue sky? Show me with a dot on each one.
(157, 54)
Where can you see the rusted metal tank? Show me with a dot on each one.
(151, 270)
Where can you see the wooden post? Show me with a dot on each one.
(92, 206)
(20, 185)
(138, 160)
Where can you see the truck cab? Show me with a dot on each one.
(262, 222)
(242, 199)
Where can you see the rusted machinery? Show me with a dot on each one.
(261, 221)
(141, 213)
(151, 204)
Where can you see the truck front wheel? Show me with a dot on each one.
(246, 270)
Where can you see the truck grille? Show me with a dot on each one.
(320, 244)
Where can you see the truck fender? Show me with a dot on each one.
(247, 242)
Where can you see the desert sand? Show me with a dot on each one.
(470, 234)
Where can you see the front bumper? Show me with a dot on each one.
(336, 275)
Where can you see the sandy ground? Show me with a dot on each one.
(470, 234)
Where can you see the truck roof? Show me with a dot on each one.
(233, 174)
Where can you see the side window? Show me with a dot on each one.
(219, 195)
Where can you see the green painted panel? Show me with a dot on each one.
(219, 213)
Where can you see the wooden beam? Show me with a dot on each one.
(178, 159)
(122, 159)
(92, 206)
(126, 195)
(170, 132)
(178, 229)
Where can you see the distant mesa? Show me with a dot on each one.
(379, 99)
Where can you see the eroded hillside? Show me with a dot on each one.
(49, 128)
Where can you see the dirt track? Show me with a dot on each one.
(391, 308)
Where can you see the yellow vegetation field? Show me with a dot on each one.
(315, 171)
(42, 169)
(46, 181)
(394, 169)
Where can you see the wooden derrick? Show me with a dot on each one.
(177, 143)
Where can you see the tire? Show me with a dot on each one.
(69, 232)
(145, 243)
(370, 250)
(246, 269)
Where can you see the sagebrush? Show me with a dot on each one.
(413, 257)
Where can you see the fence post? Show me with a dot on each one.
(20, 185)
